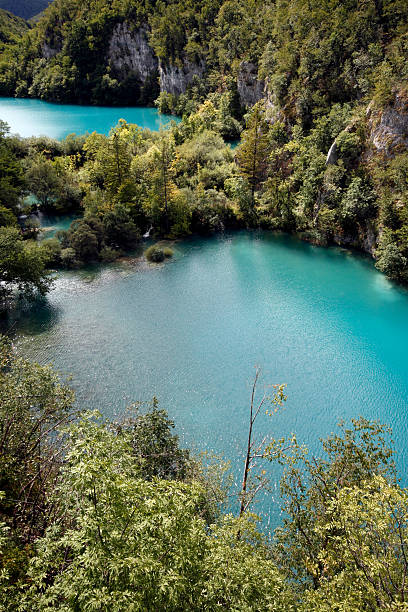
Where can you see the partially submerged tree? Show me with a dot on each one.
(266, 447)
(22, 267)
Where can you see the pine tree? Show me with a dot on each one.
(253, 153)
(163, 158)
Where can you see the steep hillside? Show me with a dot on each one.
(24, 8)
(11, 28)
(302, 59)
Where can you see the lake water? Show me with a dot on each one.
(37, 118)
(190, 331)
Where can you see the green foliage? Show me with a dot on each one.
(11, 26)
(7, 217)
(135, 543)
(11, 173)
(168, 252)
(155, 254)
(358, 202)
(390, 259)
(34, 407)
(112, 516)
(254, 149)
(108, 254)
(51, 249)
(43, 181)
(365, 555)
(311, 485)
(22, 267)
(154, 445)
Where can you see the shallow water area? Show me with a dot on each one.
(28, 117)
(191, 330)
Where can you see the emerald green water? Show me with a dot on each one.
(190, 331)
(37, 118)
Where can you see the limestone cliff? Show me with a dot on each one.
(250, 88)
(388, 128)
(175, 78)
(48, 51)
(129, 52)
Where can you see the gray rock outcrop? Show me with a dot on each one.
(250, 88)
(129, 52)
(48, 52)
(176, 78)
(389, 127)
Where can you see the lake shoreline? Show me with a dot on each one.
(322, 320)
(33, 117)
(355, 250)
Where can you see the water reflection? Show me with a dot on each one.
(34, 318)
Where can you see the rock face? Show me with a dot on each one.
(175, 79)
(250, 89)
(369, 239)
(389, 127)
(129, 52)
(48, 51)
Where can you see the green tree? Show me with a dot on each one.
(34, 406)
(85, 237)
(253, 152)
(11, 172)
(162, 156)
(22, 266)
(154, 444)
(7, 217)
(390, 259)
(132, 543)
(119, 229)
(358, 202)
(43, 181)
(366, 552)
(311, 485)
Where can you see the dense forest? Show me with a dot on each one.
(293, 118)
(316, 92)
(11, 28)
(115, 515)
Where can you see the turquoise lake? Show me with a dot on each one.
(37, 118)
(190, 331)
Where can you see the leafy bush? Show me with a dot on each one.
(155, 254)
(108, 254)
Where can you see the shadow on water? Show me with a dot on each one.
(32, 318)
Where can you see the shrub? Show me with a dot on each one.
(108, 254)
(155, 254)
(168, 252)
(51, 249)
(68, 258)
